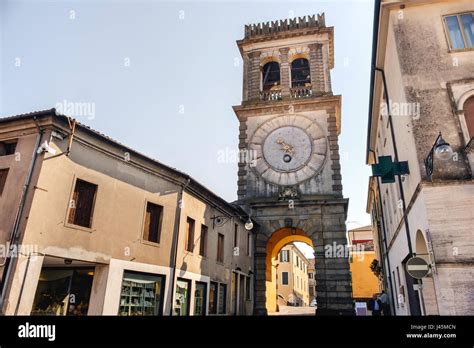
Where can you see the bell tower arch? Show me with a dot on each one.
(289, 178)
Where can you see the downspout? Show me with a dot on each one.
(177, 223)
(7, 272)
(384, 238)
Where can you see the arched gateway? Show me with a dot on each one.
(289, 171)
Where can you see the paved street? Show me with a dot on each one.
(289, 310)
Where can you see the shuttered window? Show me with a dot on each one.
(203, 241)
(190, 235)
(82, 204)
(3, 179)
(152, 227)
(220, 247)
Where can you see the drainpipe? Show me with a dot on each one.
(177, 223)
(7, 272)
(384, 239)
(400, 183)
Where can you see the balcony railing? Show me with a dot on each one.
(295, 93)
(301, 92)
(270, 95)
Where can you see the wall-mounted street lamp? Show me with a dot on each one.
(220, 220)
(249, 225)
(441, 150)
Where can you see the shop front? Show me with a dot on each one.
(63, 291)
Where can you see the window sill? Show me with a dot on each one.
(461, 50)
(79, 227)
(147, 242)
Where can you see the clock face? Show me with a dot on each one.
(290, 149)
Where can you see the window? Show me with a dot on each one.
(310, 275)
(181, 305)
(300, 76)
(220, 247)
(461, 30)
(200, 298)
(284, 278)
(222, 298)
(152, 227)
(249, 244)
(233, 293)
(63, 291)
(236, 235)
(190, 235)
(82, 204)
(3, 179)
(7, 148)
(395, 284)
(271, 76)
(142, 294)
(203, 242)
(213, 299)
(242, 294)
(284, 256)
(468, 116)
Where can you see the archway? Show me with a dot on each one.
(275, 243)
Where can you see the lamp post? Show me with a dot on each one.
(440, 150)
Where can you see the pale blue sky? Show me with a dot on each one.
(174, 100)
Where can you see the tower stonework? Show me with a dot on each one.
(289, 175)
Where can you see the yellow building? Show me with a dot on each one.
(292, 281)
(362, 253)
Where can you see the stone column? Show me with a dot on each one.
(326, 70)
(334, 153)
(260, 274)
(316, 68)
(284, 73)
(244, 158)
(254, 76)
(333, 279)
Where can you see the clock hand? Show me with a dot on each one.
(287, 148)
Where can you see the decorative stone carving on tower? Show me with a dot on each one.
(290, 179)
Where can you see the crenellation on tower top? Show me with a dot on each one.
(278, 26)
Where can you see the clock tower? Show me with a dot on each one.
(289, 175)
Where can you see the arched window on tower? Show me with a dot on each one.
(469, 116)
(271, 76)
(300, 75)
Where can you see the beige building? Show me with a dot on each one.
(292, 278)
(423, 84)
(311, 280)
(102, 229)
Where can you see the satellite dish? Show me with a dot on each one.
(219, 221)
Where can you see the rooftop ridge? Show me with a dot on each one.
(272, 27)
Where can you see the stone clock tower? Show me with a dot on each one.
(289, 177)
